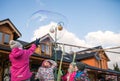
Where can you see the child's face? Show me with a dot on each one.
(71, 66)
(47, 64)
(76, 69)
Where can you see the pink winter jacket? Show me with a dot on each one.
(20, 63)
(70, 75)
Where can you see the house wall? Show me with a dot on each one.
(4, 55)
(104, 61)
(92, 75)
(6, 29)
(44, 49)
(91, 62)
(97, 63)
(1, 68)
(4, 66)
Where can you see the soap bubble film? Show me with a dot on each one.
(43, 22)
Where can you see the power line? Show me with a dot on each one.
(117, 47)
(88, 49)
(93, 50)
(113, 52)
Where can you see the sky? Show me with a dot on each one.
(86, 22)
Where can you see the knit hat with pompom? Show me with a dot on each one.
(15, 44)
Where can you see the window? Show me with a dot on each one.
(1, 35)
(45, 49)
(4, 38)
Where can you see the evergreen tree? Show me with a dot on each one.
(116, 67)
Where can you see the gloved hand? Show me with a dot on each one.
(37, 42)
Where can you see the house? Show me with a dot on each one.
(96, 61)
(94, 57)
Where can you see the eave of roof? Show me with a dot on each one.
(88, 54)
(7, 48)
(23, 42)
(11, 25)
(103, 70)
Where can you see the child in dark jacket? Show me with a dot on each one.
(81, 74)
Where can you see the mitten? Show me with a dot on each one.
(37, 41)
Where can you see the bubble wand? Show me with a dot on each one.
(74, 56)
(59, 71)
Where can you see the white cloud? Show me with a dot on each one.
(106, 39)
(63, 36)
(43, 30)
(114, 58)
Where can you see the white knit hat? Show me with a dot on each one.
(15, 44)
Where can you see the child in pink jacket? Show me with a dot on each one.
(20, 70)
(70, 74)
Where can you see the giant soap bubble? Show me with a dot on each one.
(43, 22)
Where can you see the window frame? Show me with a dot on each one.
(8, 39)
(3, 38)
(45, 49)
(1, 41)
